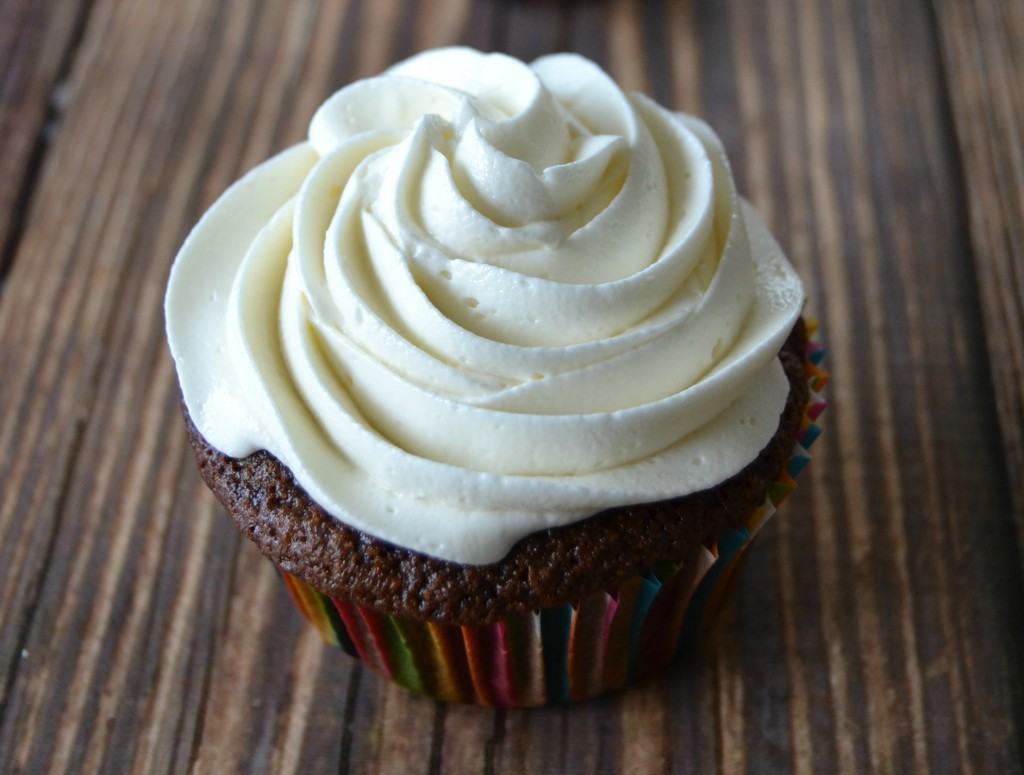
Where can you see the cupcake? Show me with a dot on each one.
(499, 371)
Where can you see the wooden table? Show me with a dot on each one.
(879, 624)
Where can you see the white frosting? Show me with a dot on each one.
(486, 299)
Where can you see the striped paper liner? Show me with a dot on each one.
(570, 652)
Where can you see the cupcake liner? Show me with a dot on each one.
(570, 652)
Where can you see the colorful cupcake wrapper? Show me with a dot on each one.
(569, 652)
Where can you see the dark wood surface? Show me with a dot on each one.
(879, 625)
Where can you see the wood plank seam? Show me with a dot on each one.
(56, 106)
(1008, 400)
(437, 740)
(345, 750)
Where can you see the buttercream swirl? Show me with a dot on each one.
(486, 298)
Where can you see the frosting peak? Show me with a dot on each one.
(484, 299)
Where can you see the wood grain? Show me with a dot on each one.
(877, 626)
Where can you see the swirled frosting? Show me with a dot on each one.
(483, 299)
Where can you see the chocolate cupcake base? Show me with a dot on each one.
(545, 569)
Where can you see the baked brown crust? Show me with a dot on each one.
(546, 568)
